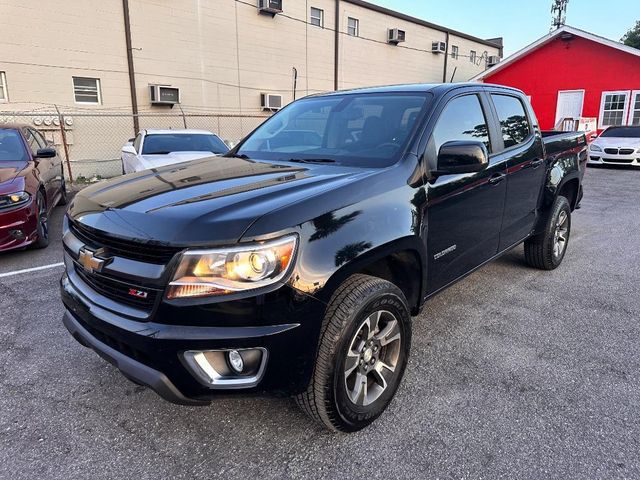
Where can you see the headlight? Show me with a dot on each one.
(203, 273)
(14, 199)
(595, 148)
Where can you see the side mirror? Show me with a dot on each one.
(129, 149)
(593, 136)
(462, 156)
(46, 153)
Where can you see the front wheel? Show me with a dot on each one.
(364, 348)
(546, 250)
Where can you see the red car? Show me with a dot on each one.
(31, 184)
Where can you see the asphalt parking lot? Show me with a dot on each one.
(515, 373)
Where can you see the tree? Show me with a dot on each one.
(632, 37)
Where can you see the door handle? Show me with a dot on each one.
(537, 163)
(496, 178)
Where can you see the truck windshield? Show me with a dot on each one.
(622, 132)
(159, 144)
(11, 147)
(361, 130)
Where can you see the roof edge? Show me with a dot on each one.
(547, 38)
(419, 21)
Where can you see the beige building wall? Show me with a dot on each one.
(221, 54)
(43, 44)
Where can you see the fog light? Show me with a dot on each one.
(234, 368)
(235, 360)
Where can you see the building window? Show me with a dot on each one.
(473, 56)
(87, 90)
(454, 51)
(317, 17)
(353, 26)
(613, 108)
(4, 96)
(635, 109)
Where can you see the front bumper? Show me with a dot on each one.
(151, 353)
(601, 158)
(130, 368)
(18, 226)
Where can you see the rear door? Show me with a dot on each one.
(464, 212)
(520, 148)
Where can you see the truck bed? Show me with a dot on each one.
(555, 142)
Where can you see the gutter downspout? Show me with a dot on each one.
(336, 58)
(132, 75)
(446, 58)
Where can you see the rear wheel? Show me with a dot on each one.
(42, 229)
(363, 352)
(63, 193)
(546, 250)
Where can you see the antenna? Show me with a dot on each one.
(559, 13)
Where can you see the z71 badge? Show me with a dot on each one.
(138, 293)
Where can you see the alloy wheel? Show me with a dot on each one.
(372, 358)
(561, 234)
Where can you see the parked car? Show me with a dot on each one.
(616, 146)
(156, 148)
(295, 268)
(31, 184)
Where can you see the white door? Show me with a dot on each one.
(569, 104)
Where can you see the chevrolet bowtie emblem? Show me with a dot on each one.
(91, 261)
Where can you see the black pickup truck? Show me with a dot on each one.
(294, 264)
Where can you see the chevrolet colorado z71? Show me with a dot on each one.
(294, 263)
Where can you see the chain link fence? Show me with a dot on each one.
(90, 142)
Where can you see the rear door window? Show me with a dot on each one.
(513, 119)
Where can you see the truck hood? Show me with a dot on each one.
(202, 202)
(154, 161)
(10, 170)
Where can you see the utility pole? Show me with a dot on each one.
(559, 13)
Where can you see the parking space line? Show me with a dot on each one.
(28, 270)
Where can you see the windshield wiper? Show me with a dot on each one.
(242, 155)
(312, 160)
(158, 153)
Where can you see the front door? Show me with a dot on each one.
(569, 105)
(464, 212)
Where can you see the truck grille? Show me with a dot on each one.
(123, 248)
(118, 291)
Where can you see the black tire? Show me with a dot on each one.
(42, 218)
(64, 199)
(354, 305)
(542, 251)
